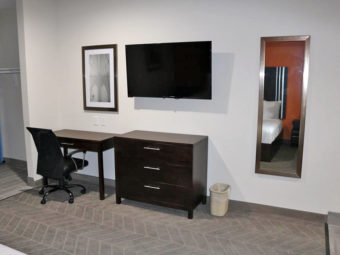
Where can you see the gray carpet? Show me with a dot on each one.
(91, 226)
(13, 174)
(285, 160)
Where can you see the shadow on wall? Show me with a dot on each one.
(219, 172)
(222, 69)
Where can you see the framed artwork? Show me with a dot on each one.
(100, 77)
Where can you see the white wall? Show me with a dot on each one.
(11, 116)
(230, 119)
(39, 64)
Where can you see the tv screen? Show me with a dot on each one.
(175, 70)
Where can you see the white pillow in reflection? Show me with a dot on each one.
(271, 109)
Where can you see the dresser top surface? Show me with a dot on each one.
(163, 137)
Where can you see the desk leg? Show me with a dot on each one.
(65, 151)
(101, 175)
(45, 181)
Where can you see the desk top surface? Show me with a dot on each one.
(163, 137)
(83, 135)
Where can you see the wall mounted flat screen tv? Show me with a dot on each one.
(169, 70)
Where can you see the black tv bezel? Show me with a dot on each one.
(171, 97)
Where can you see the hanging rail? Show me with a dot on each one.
(9, 70)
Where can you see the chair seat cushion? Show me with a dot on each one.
(70, 165)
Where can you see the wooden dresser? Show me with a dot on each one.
(162, 168)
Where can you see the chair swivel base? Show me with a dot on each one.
(65, 187)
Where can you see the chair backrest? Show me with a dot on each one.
(50, 158)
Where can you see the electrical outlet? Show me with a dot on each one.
(102, 121)
(96, 121)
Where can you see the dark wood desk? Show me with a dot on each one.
(89, 141)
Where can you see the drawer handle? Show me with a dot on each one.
(152, 148)
(151, 187)
(152, 168)
(70, 144)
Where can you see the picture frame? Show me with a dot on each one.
(99, 67)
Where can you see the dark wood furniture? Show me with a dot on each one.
(89, 141)
(295, 134)
(162, 168)
(268, 151)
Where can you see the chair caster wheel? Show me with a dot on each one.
(83, 191)
(43, 201)
(41, 192)
(71, 200)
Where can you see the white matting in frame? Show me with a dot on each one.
(99, 78)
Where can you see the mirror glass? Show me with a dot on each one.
(282, 101)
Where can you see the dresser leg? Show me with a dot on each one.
(190, 214)
(118, 200)
(65, 152)
(204, 200)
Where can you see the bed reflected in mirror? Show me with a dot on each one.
(282, 101)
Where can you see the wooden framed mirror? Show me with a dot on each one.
(284, 65)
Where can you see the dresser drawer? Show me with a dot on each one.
(76, 143)
(155, 192)
(153, 170)
(177, 154)
(161, 168)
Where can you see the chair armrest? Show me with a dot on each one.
(75, 152)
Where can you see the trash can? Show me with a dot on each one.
(219, 199)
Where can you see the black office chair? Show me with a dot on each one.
(52, 164)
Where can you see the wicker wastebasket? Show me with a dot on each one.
(219, 199)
